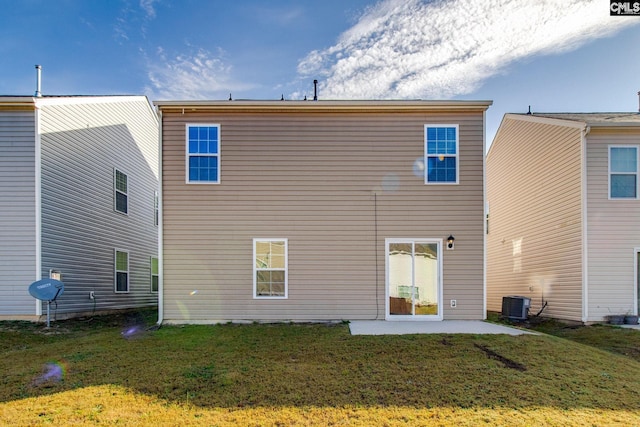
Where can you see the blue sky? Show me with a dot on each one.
(554, 55)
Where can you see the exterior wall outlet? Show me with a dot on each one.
(92, 295)
(454, 303)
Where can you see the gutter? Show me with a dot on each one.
(326, 106)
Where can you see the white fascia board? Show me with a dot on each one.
(89, 99)
(546, 120)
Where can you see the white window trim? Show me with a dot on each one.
(457, 155)
(116, 271)
(152, 275)
(421, 318)
(637, 147)
(116, 191)
(286, 269)
(636, 287)
(187, 154)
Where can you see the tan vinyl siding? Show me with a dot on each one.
(83, 140)
(613, 230)
(534, 247)
(335, 185)
(17, 212)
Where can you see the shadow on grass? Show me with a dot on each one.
(320, 366)
(614, 339)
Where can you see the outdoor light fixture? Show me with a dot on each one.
(55, 274)
(450, 241)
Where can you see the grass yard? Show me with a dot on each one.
(113, 371)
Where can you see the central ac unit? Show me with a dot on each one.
(516, 307)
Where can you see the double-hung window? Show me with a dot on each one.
(441, 154)
(121, 271)
(270, 266)
(120, 192)
(203, 153)
(154, 274)
(623, 172)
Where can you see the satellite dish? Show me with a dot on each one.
(46, 289)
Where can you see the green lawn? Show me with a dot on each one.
(112, 371)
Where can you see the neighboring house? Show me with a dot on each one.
(564, 210)
(323, 210)
(78, 191)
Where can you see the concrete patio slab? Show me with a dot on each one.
(382, 327)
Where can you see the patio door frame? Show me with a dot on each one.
(439, 287)
(636, 280)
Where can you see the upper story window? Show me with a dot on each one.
(203, 153)
(270, 268)
(121, 195)
(441, 154)
(623, 172)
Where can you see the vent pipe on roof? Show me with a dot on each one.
(38, 81)
(639, 102)
(315, 90)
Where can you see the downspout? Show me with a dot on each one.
(484, 215)
(585, 253)
(38, 199)
(160, 225)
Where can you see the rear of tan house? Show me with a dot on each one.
(563, 209)
(322, 211)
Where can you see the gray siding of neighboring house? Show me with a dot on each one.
(17, 212)
(534, 192)
(83, 140)
(335, 184)
(613, 231)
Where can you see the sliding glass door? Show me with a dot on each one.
(414, 279)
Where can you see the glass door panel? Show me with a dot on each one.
(400, 278)
(426, 279)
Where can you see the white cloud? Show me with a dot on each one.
(198, 75)
(439, 49)
(120, 30)
(132, 20)
(147, 6)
